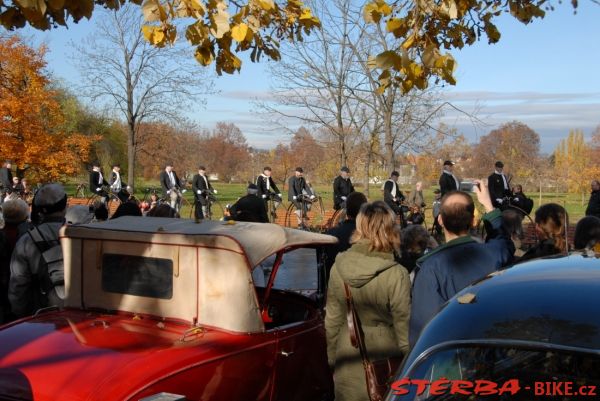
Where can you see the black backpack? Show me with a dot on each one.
(51, 275)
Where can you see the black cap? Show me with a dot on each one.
(95, 164)
(201, 168)
(499, 164)
(449, 163)
(169, 164)
(395, 173)
(345, 169)
(266, 168)
(299, 169)
(252, 186)
(116, 165)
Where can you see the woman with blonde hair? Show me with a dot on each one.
(551, 221)
(380, 289)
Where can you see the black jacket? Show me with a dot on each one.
(447, 183)
(341, 187)
(593, 208)
(199, 184)
(95, 182)
(387, 193)
(497, 190)
(521, 201)
(541, 249)
(165, 182)
(261, 183)
(249, 208)
(6, 178)
(295, 187)
(343, 232)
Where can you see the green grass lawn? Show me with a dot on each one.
(229, 193)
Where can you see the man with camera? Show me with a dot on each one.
(443, 272)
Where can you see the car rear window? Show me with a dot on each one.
(538, 372)
(137, 275)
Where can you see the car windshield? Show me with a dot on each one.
(502, 372)
(297, 272)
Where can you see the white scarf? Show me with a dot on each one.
(503, 179)
(268, 181)
(394, 188)
(117, 184)
(100, 178)
(171, 178)
(205, 180)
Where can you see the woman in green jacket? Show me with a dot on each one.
(380, 288)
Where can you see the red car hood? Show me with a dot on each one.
(75, 355)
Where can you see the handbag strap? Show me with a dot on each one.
(354, 327)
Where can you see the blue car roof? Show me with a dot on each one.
(552, 300)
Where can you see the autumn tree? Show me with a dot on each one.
(141, 82)
(31, 120)
(225, 151)
(513, 143)
(110, 145)
(306, 152)
(573, 163)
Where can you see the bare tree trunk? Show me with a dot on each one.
(131, 156)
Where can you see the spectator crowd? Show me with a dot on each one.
(398, 273)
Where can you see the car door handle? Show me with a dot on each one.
(285, 353)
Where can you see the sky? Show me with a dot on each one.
(544, 74)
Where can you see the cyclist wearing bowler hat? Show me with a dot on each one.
(342, 187)
(448, 181)
(296, 186)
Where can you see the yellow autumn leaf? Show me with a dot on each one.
(408, 42)
(239, 32)
(266, 5)
(154, 34)
(388, 59)
(203, 55)
(153, 11)
(220, 24)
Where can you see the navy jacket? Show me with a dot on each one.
(446, 270)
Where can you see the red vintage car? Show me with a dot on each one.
(167, 309)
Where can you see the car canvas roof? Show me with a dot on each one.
(256, 241)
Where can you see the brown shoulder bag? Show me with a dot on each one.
(378, 373)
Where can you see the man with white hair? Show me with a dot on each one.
(36, 266)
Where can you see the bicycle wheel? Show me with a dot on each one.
(288, 215)
(80, 191)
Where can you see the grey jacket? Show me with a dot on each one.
(25, 290)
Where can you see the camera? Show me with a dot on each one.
(469, 186)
